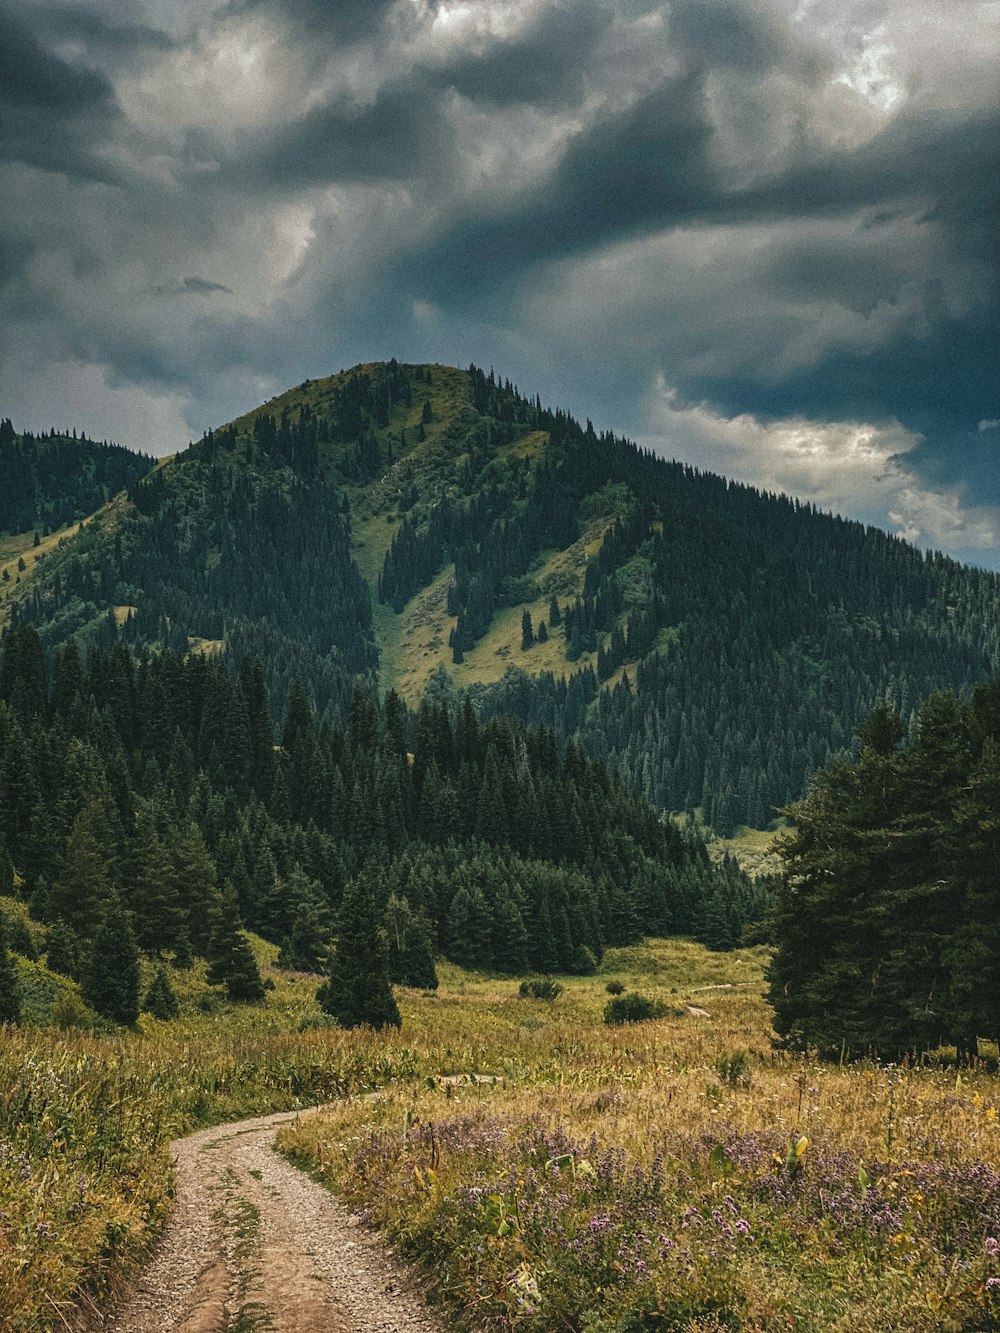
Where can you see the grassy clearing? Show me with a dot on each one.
(674, 1175)
(85, 1118)
(414, 644)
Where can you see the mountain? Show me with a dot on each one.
(432, 529)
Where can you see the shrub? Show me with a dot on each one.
(615, 988)
(539, 988)
(734, 1069)
(633, 1008)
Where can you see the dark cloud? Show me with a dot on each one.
(545, 64)
(191, 287)
(728, 33)
(50, 110)
(323, 20)
(202, 287)
(631, 172)
(114, 38)
(401, 135)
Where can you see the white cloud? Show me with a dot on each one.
(855, 469)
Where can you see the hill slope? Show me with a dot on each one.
(712, 643)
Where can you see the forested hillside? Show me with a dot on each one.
(54, 479)
(161, 786)
(429, 527)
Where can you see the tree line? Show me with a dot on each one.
(158, 786)
(56, 478)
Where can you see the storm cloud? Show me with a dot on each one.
(761, 235)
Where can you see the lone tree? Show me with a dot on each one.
(160, 999)
(110, 982)
(230, 960)
(527, 633)
(358, 989)
(10, 990)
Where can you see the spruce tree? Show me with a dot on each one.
(230, 959)
(411, 960)
(357, 991)
(160, 1000)
(62, 950)
(110, 983)
(10, 988)
(183, 958)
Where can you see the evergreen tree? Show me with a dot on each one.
(62, 950)
(160, 1000)
(230, 959)
(411, 959)
(110, 982)
(10, 987)
(183, 958)
(306, 946)
(357, 991)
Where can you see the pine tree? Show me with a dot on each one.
(527, 634)
(110, 983)
(83, 885)
(62, 950)
(183, 958)
(230, 959)
(10, 988)
(160, 1000)
(306, 946)
(411, 960)
(357, 991)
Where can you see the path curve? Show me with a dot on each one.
(255, 1244)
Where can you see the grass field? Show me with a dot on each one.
(676, 1174)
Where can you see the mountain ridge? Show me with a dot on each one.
(714, 643)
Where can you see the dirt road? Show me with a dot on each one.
(254, 1244)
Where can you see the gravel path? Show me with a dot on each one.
(254, 1244)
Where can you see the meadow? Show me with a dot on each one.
(546, 1170)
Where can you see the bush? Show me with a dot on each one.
(539, 988)
(633, 1008)
(615, 988)
(734, 1070)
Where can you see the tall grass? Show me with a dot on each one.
(677, 1174)
(84, 1124)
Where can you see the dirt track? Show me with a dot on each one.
(254, 1244)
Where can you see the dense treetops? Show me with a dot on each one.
(888, 923)
(158, 789)
(54, 479)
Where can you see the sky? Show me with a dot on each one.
(762, 236)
